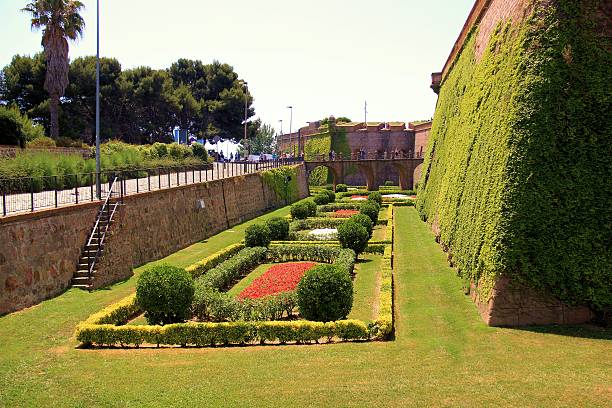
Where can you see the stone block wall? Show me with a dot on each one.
(39, 251)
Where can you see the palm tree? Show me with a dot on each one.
(61, 21)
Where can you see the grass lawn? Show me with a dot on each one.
(366, 287)
(443, 354)
(247, 280)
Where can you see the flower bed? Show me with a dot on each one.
(109, 326)
(359, 197)
(344, 213)
(324, 234)
(277, 279)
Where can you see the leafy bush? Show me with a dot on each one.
(330, 194)
(41, 142)
(371, 209)
(165, 293)
(365, 221)
(341, 188)
(257, 235)
(353, 235)
(321, 199)
(389, 183)
(199, 151)
(303, 209)
(68, 142)
(325, 294)
(17, 129)
(279, 228)
(376, 197)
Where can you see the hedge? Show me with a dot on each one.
(228, 271)
(211, 334)
(213, 260)
(338, 206)
(384, 320)
(517, 175)
(315, 222)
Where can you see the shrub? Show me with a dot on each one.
(365, 221)
(353, 235)
(389, 183)
(41, 142)
(376, 197)
(325, 294)
(17, 129)
(165, 293)
(200, 152)
(321, 198)
(341, 188)
(257, 235)
(304, 209)
(371, 209)
(68, 142)
(331, 195)
(279, 228)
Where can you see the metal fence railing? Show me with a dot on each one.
(29, 194)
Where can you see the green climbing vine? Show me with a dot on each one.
(517, 177)
(276, 180)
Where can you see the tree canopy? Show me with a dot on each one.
(139, 105)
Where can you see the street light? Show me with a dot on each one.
(98, 186)
(246, 110)
(278, 142)
(290, 124)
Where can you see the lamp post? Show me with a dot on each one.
(98, 186)
(278, 143)
(246, 110)
(290, 124)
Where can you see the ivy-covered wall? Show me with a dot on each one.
(321, 144)
(276, 179)
(517, 180)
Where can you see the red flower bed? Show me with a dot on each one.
(344, 213)
(277, 279)
(361, 197)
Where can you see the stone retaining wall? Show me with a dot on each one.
(39, 251)
(11, 151)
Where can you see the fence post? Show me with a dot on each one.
(31, 194)
(149, 179)
(55, 188)
(3, 202)
(137, 182)
(168, 178)
(91, 186)
(178, 175)
(158, 178)
(76, 188)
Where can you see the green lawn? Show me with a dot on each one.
(247, 280)
(365, 287)
(443, 354)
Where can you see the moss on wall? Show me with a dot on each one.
(517, 174)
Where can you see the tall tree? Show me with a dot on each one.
(60, 21)
(262, 138)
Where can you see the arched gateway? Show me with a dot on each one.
(371, 169)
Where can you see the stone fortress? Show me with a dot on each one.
(376, 140)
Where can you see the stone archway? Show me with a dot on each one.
(335, 169)
(369, 172)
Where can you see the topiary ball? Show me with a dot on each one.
(322, 198)
(376, 197)
(165, 294)
(311, 207)
(279, 228)
(365, 221)
(371, 209)
(341, 188)
(331, 195)
(299, 211)
(325, 294)
(257, 235)
(353, 235)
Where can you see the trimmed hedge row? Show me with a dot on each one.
(208, 263)
(338, 206)
(390, 224)
(312, 223)
(374, 247)
(384, 321)
(227, 272)
(211, 334)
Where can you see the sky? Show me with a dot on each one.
(322, 57)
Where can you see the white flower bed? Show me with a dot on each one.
(324, 233)
(396, 196)
(359, 199)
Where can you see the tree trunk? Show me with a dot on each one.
(54, 113)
